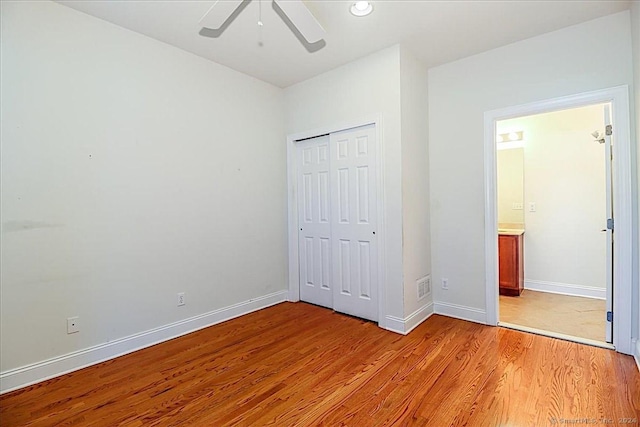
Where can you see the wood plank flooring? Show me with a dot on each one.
(297, 364)
(565, 314)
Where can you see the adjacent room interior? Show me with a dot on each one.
(552, 217)
(277, 212)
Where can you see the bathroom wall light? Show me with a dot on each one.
(510, 136)
(508, 140)
(361, 8)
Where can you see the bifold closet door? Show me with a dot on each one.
(354, 251)
(314, 235)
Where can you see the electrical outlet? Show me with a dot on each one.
(445, 283)
(532, 206)
(181, 300)
(73, 325)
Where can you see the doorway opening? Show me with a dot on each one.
(545, 207)
(554, 199)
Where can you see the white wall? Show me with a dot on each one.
(131, 171)
(564, 175)
(635, 27)
(362, 89)
(416, 248)
(510, 186)
(568, 61)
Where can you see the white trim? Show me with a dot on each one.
(490, 220)
(409, 323)
(636, 346)
(394, 324)
(460, 312)
(417, 317)
(292, 227)
(557, 335)
(292, 219)
(47, 369)
(622, 250)
(566, 289)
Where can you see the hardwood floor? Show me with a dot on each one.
(565, 314)
(297, 364)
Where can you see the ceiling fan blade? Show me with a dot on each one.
(302, 18)
(218, 14)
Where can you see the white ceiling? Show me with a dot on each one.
(436, 31)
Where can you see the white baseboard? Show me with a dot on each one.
(460, 312)
(394, 324)
(34, 373)
(406, 325)
(635, 344)
(566, 289)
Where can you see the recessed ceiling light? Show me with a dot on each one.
(361, 8)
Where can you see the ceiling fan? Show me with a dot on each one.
(295, 10)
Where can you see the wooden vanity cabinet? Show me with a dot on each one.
(511, 264)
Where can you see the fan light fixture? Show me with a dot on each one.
(361, 8)
(294, 11)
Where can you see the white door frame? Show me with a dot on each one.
(622, 195)
(292, 200)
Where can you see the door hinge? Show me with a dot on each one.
(610, 224)
(609, 316)
(609, 130)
